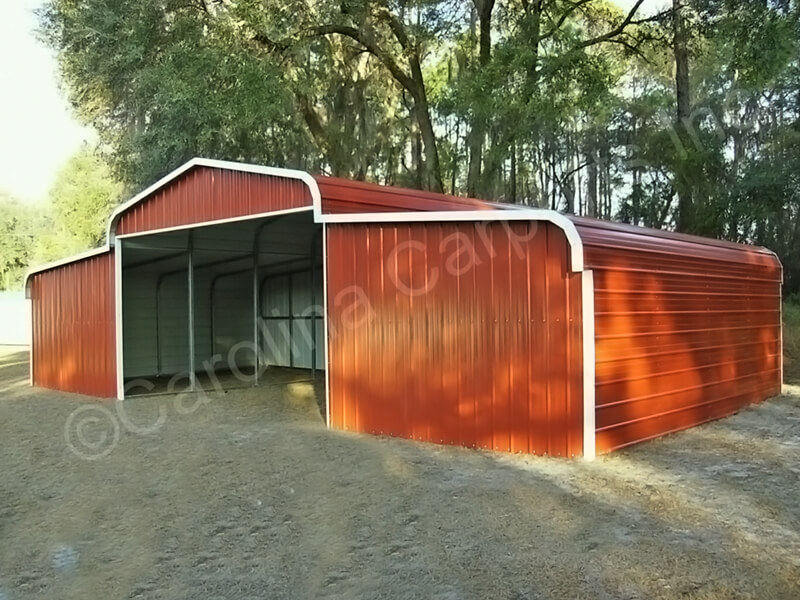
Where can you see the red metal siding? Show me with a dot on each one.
(687, 330)
(209, 194)
(426, 343)
(345, 196)
(73, 327)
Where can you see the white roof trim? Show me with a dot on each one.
(506, 212)
(65, 261)
(529, 214)
(316, 198)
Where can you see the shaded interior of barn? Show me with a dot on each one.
(196, 302)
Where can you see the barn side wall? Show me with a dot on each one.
(73, 327)
(687, 331)
(456, 333)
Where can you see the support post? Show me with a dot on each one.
(190, 294)
(256, 310)
(291, 322)
(315, 238)
(158, 327)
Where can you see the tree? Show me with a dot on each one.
(82, 197)
(16, 241)
(680, 120)
(680, 45)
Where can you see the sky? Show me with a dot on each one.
(649, 6)
(38, 132)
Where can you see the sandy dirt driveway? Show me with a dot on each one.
(247, 495)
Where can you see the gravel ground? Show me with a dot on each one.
(247, 495)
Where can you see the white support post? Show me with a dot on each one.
(325, 325)
(120, 359)
(587, 298)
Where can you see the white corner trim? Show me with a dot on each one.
(29, 302)
(780, 341)
(780, 317)
(325, 323)
(587, 301)
(529, 214)
(311, 183)
(119, 355)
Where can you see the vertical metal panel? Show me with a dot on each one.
(140, 333)
(173, 314)
(73, 327)
(207, 194)
(286, 310)
(456, 333)
(687, 330)
(233, 317)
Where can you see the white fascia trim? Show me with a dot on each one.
(64, 261)
(118, 325)
(587, 301)
(274, 213)
(530, 214)
(311, 183)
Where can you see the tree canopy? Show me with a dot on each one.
(73, 218)
(17, 233)
(687, 119)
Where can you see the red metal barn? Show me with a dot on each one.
(435, 318)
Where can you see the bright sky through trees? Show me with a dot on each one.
(37, 130)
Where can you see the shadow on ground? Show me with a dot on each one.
(247, 495)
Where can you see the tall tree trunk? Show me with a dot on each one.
(423, 114)
(477, 132)
(513, 178)
(682, 95)
(419, 164)
(591, 184)
(454, 172)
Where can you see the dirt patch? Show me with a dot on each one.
(247, 495)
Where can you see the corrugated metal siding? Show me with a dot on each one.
(688, 330)
(73, 327)
(345, 196)
(233, 318)
(139, 338)
(489, 356)
(286, 309)
(173, 322)
(206, 194)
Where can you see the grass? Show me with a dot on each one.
(791, 341)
